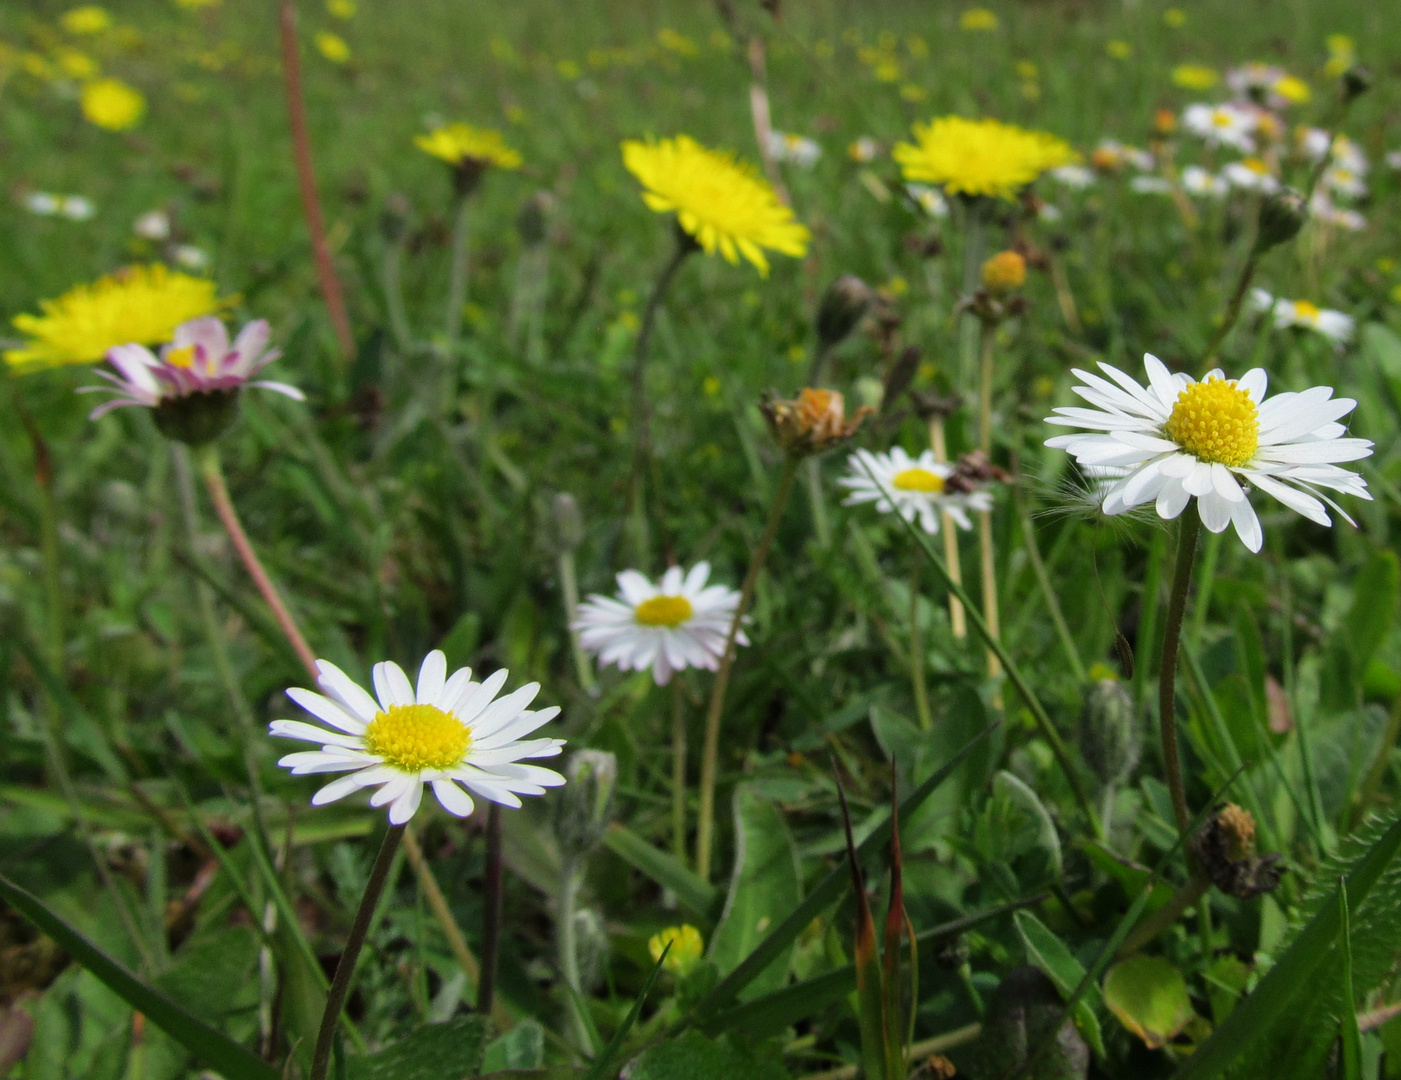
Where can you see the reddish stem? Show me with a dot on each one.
(306, 179)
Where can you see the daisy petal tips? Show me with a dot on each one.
(445, 731)
(1213, 440)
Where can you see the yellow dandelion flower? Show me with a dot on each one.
(977, 19)
(1194, 76)
(1293, 89)
(979, 157)
(1026, 70)
(686, 948)
(1118, 50)
(89, 19)
(341, 9)
(35, 65)
(722, 202)
(76, 64)
(1175, 18)
(462, 144)
(1342, 54)
(888, 71)
(914, 93)
(139, 305)
(112, 104)
(332, 47)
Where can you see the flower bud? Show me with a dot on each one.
(394, 218)
(812, 422)
(1282, 215)
(686, 951)
(534, 219)
(1110, 737)
(1164, 122)
(196, 419)
(1357, 80)
(843, 306)
(585, 808)
(1004, 273)
(569, 522)
(591, 941)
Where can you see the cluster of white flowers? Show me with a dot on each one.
(793, 149)
(47, 204)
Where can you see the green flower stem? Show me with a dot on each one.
(917, 658)
(988, 560)
(941, 454)
(345, 968)
(1233, 306)
(710, 752)
(1014, 675)
(53, 584)
(641, 411)
(491, 913)
(207, 458)
(392, 281)
(569, 586)
(678, 769)
(1376, 775)
(1043, 579)
(571, 881)
(1148, 928)
(1189, 525)
(1148, 606)
(457, 290)
(821, 527)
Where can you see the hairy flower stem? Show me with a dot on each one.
(941, 454)
(491, 913)
(678, 769)
(1189, 526)
(569, 586)
(1233, 306)
(306, 179)
(345, 968)
(985, 540)
(207, 458)
(706, 818)
(457, 292)
(917, 660)
(641, 412)
(571, 881)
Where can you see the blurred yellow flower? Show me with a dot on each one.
(89, 19)
(720, 201)
(686, 948)
(36, 65)
(1293, 89)
(1194, 76)
(914, 93)
(1118, 50)
(568, 69)
(1004, 273)
(1175, 18)
(721, 40)
(196, 5)
(1026, 69)
(979, 157)
(332, 47)
(677, 43)
(139, 305)
(1396, 294)
(888, 70)
(917, 47)
(824, 50)
(1342, 54)
(462, 144)
(1031, 90)
(978, 19)
(76, 64)
(341, 9)
(112, 104)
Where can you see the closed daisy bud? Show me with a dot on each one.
(843, 305)
(585, 809)
(1004, 273)
(811, 423)
(533, 221)
(1110, 736)
(1282, 215)
(687, 947)
(569, 522)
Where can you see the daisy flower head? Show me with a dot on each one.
(449, 732)
(979, 157)
(929, 199)
(1222, 125)
(1076, 177)
(1111, 156)
(915, 488)
(1340, 181)
(1251, 174)
(1334, 325)
(1199, 181)
(721, 202)
(1179, 438)
(1267, 85)
(1323, 209)
(140, 303)
(794, 149)
(863, 149)
(192, 386)
(676, 623)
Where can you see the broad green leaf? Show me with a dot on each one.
(523, 1047)
(699, 896)
(1226, 979)
(1058, 963)
(215, 977)
(765, 887)
(451, 1051)
(1286, 1027)
(825, 893)
(209, 1046)
(1149, 996)
(1009, 787)
(1375, 592)
(694, 1057)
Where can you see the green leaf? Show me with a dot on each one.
(1149, 996)
(1352, 1034)
(825, 893)
(1015, 790)
(1283, 1025)
(1058, 963)
(699, 896)
(1375, 592)
(451, 1051)
(1226, 980)
(765, 887)
(209, 1046)
(523, 1047)
(694, 1057)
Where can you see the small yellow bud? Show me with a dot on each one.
(1004, 273)
(686, 948)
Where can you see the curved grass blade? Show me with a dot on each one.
(825, 893)
(207, 1044)
(601, 1064)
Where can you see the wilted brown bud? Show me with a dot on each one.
(974, 471)
(1164, 122)
(1004, 273)
(1282, 215)
(811, 423)
(1225, 848)
(843, 305)
(930, 404)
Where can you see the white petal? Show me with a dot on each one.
(406, 805)
(1198, 481)
(327, 710)
(453, 799)
(476, 696)
(1247, 525)
(299, 729)
(1214, 511)
(1254, 383)
(392, 685)
(341, 687)
(1298, 501)
(1225, 484)
(1160, 379)
(431, 677)
(1172, 500)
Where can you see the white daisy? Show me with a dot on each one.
(1076, 177)
(676, 623)
(1334, 325)
(863, 150)
(1178, 438)
(795, 149)
(1322, 208)
(1252, 174)
(452, 733)
(1222, 125)
(929, 199)
(1339, 180)
(1393, 159)
(1198, 181)
(1151, 185)
(152, 225)
(1111, 155)
(911, 487)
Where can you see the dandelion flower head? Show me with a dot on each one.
(462, 144)
(89, 19)
(979, 157)
(141, 304)
(112, 104)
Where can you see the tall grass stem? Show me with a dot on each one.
(1189, 526)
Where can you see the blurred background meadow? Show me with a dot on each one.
(463, 473)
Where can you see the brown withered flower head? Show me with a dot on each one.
(811, 423)
(972, 472)
(1225, 848)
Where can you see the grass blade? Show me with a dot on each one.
(700, 896)
(601, 1064)
(1352, 1034)
(208, 1045)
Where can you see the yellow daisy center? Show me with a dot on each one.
(1305, 311)
(413, 738)
(1215, 421)
(1222, 119)
(182, 358)
(918, 480)
(664, 611)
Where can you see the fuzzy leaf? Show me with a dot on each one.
(1149, 996)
